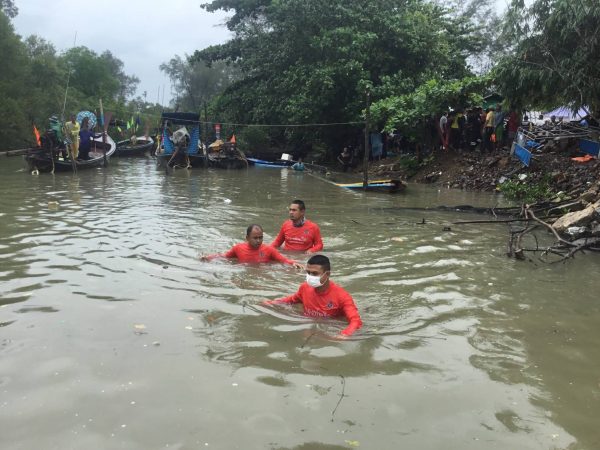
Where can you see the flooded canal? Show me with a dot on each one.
(114, 335)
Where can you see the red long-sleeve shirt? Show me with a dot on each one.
(245, 253)
(333, 302)
(306, 237)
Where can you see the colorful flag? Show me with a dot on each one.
(36, 133)
(232, 140)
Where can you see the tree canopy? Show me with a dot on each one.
(34, 78)
(195, 84)
(309, 61)
(553, 56)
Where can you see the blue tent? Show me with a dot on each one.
(566, 113)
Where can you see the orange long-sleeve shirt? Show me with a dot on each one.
(333, 302)
(304, 238)
(245, 253)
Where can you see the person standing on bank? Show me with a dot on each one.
(299, 233)
(321, 297)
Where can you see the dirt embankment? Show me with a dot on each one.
(474, 171)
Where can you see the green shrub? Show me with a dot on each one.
(526, 192)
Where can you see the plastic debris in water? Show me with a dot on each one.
(139, 326)
(352, 443)
(574, 231)
(227, 201)
(52, 205)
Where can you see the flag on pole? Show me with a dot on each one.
(36, 133)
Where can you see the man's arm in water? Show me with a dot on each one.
(294, 298)
(279, 239)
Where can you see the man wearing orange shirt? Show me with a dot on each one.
(299, 233)
(253, 250)
(321, 297)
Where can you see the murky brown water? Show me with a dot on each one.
(113, 335)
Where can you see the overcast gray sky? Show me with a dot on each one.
(142, 34)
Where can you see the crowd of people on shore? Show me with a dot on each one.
(476, 129)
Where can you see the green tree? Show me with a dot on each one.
(310, 61)
(196, 83)
(553, 59)
(127, 83)
(9, 8)
(15, 130)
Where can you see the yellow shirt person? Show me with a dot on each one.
(73, 129)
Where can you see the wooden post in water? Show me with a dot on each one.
(366, 155)
(206, 141)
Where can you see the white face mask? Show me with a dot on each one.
(313, 280)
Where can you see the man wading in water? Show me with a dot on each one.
(299, 233)
(321, 297)
(253, 250)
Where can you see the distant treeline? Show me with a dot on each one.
(299, 62)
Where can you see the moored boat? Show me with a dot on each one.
(127, 147)
(47, 159)
(390, 186)
(180, 149)
(280, 164)
(225, 155)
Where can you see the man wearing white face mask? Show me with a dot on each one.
(321, 297)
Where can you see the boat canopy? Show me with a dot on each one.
(180, 118)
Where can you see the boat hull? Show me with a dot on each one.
(41, 161)
(272, 164)
(389, 186)
(227, 163)
(143, 145)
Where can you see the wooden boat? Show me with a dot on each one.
(141, 146)
(279, 164)
(41, 160)
(175, 153)
(390, 186)
(225, 155)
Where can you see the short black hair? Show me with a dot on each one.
(320, 260)
(252, 227)
(300, 204)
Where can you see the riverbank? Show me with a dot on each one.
(554, 172)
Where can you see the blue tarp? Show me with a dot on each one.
(167, 143)
(376, 145)
(194, 136)
(523, 154)
(589, 147)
